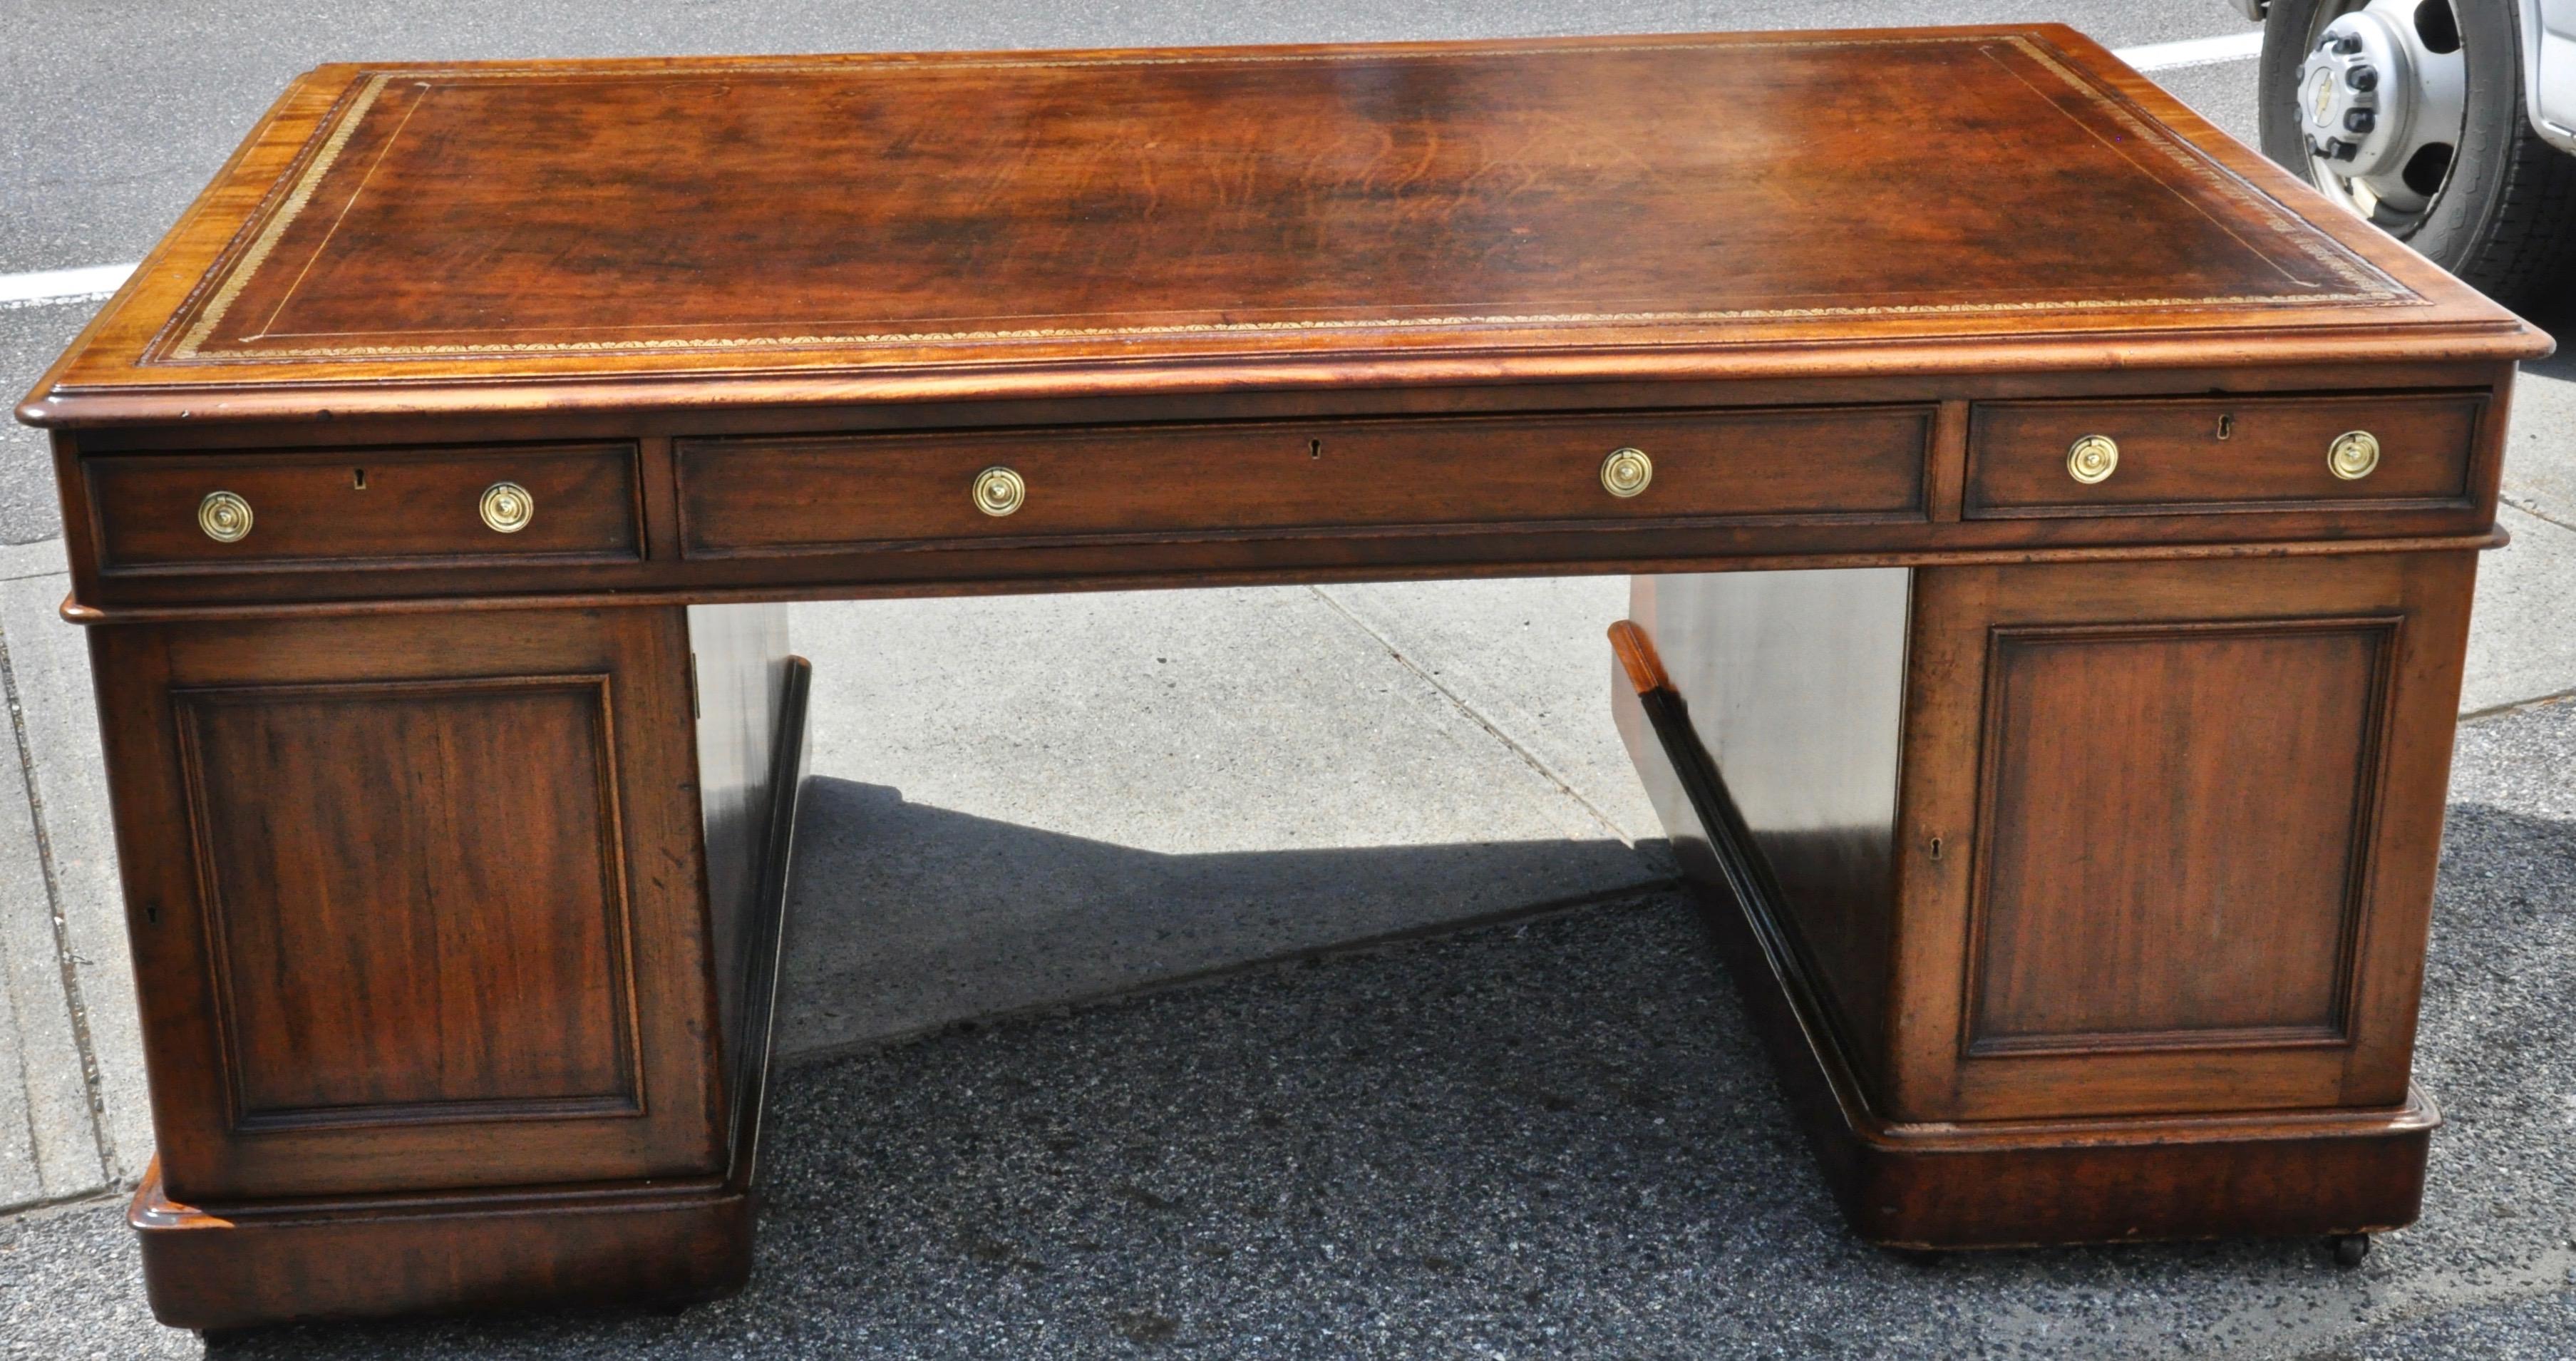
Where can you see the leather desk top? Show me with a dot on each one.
(561, 236)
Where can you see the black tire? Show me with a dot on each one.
(2504, 219)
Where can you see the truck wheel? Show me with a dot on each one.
(2410, 113)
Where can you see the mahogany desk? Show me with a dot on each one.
(2067, 780)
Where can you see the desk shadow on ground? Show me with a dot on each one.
(1545, 1138)
(904, 916)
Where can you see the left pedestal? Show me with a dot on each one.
(456, 936)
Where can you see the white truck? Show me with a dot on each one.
(2450, 124)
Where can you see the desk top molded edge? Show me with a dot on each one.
(108, 376)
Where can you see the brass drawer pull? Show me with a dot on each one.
(2353, 455)
(507, 507)
(999, 491)
(224, 516)
(2092, 459)
(1626, 472)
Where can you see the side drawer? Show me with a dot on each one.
(343, 508)
(2199, 455)
(745, 497)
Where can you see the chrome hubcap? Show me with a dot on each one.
(2382, 101)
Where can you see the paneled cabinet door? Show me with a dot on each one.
(2203, 807)
(436, 917)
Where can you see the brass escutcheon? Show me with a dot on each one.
(2353, 455)
(2092, 458)
(507, 507)
(999, 491)
(224, 516)
(1626, 472)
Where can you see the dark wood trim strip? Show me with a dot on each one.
(1942, 358)
(659, 498)
(761, 961)
(1945, 475)
(77, 612)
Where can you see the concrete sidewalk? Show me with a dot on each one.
(1025, 802)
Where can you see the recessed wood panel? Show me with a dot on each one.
(448, 940)
(2175, 825)
(417, 901)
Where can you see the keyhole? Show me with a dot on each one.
(1934, 846)
(358, 478)
(1314, 448)
(2226, 426)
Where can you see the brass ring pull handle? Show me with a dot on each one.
(2353, 455)
(224, 516)
(507, 507)
(1626, 472)
(999, 491)
(2092, 459)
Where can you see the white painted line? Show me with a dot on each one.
(2192, 52)
(60, 285)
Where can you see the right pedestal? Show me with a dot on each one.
(2079, 902)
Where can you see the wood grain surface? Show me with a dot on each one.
(803, 205)
(1167, 217)
(749, 497)
(1996, 1183)
(416, 904)
(2221, 454)
(338, 509)
(2085, 853)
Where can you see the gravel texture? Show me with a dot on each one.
(1552, 1138)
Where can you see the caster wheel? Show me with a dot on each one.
(1921, 1259)
(2349, 1248)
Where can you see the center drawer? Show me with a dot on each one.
(818, 494)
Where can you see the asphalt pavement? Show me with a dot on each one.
(1548, 1137)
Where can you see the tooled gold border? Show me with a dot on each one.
(238, 277)
(2350, 271)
